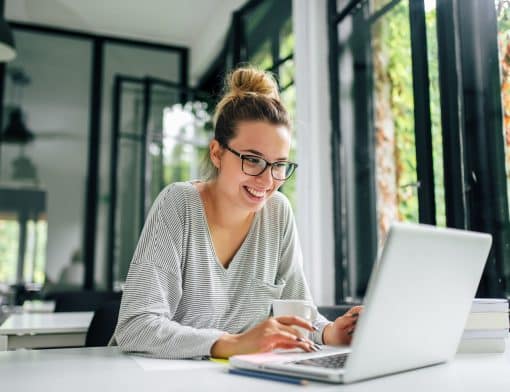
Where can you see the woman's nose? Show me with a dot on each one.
(265, 177)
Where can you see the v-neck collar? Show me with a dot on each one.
(247, 239)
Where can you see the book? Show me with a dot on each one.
(487, 320)
(489, 305)
(267, 376)
(481, 346)
(485, 333)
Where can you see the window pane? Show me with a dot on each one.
(162, 97)
(49, 83)
(286, 73)
(138, 62)
(9, 233)
(503, 14)
(435, 111)
(262, 58)
(394, 118)
(286, 40)
(503, 9)
(185, 140)
(288, 97)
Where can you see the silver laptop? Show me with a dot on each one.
(417, 303)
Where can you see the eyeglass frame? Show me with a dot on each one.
(268, 164)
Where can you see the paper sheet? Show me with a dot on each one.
(150, 364)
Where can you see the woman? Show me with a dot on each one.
(213, 255)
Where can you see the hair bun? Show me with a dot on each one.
(250, 81)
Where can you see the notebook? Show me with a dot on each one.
(416, 305)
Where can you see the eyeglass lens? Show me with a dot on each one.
(254, 166)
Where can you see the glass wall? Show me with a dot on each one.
(503, 16)
(435, 111)
(132, 201)
(396, 170)
(391, 147)
(503, 12)
(397, 197)
(48, 92)
(48, 85)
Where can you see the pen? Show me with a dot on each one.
(267, 376)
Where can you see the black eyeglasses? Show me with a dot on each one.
(254, 165)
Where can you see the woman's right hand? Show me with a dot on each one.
(270, 334)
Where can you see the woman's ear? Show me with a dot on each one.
(215, 153)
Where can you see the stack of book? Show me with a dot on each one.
(487, 327)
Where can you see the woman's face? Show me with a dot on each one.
(259, 138)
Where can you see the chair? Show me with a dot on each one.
(103, 324)
(81, 301)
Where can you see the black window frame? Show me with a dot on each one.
(473, 157)
(98, 42)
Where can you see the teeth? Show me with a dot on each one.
(255, 192)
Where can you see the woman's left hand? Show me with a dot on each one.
(340, 332)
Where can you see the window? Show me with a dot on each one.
(416, 126)
(48, 83)
(63, 80)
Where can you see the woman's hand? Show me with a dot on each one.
(275, 332)
(341, 330)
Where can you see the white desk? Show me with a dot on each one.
(106, 369)
(42, 330)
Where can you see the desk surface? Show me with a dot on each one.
(105, 368)
(29, 323)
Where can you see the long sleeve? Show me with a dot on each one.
(153, 291)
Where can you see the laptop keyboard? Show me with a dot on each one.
(336, 361)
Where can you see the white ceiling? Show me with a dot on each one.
(200, 25)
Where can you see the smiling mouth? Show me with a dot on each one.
(255, 193)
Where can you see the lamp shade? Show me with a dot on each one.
(7, 48)
(16, 130)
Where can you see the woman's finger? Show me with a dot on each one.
(290, 330)
(354, 311)
(345, 321)
(282, 339)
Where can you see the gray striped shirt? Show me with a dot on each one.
(179, 299)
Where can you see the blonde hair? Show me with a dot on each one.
(251, 95)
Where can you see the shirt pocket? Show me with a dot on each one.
(261, 296)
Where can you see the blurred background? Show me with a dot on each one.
(401, 111)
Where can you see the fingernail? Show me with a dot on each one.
(315, 328)
(299, 339)
(350, 333)
(314, 347)
(354, 314)
(317, 347)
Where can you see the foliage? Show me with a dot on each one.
(503, 9)
(9, 233)
(393, 31)
(186, 132)
(35, 250)
(435, 115)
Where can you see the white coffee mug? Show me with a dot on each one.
(295, 307)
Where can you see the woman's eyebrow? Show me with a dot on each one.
(262, 155)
